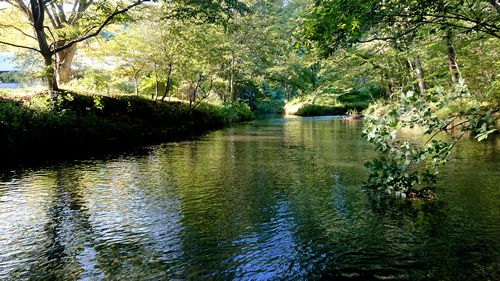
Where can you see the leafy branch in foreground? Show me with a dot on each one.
(409, 169)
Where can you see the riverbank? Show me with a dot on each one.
(351, 103)
(34, 128)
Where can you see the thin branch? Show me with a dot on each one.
(389, 38)
(73, 12)
(51, 34)
(53, 12)
(18, 29)
(61, 12)
(456, 141)
(19, 46)
(369, 60)
(22, 6)
(81, 8)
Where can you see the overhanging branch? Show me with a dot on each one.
(99, 29)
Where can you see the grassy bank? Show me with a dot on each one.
(317, 105)
(35, 127)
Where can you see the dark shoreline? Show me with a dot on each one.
(92, 151)
(84, 127)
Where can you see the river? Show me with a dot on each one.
(273, 199)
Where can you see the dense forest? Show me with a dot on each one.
(107, 69)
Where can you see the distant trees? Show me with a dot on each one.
(248, 56)
(57, 26)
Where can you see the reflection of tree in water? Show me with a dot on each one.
(106, 241)
(379, 239)
(67, 228)
(135, 217)
(219, 201)
(395, 238)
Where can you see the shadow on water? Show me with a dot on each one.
(275, 199)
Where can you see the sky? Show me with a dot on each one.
(5, 62)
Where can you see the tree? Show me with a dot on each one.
(52, 44)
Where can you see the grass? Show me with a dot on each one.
(36, 127)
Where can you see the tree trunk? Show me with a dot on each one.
(193, 91)
(154, 96)
(419, 73)
(64, 59)
(232, 95)
(167, 89)
(412, 74)
(50, 74)
(38, 17)
(452, 61)
(314, 75)
(169, 82)
(136, 85)
(190, 94)
(390, 85)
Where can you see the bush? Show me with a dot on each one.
(319, 110)
(408, 168)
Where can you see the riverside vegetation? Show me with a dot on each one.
(75, 124)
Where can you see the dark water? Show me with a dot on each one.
(270, 200)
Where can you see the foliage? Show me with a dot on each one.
(356, 100)
(406, 166)
(334, 24)
(94, 80)
(325, 57)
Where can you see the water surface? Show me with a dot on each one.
(275, 199)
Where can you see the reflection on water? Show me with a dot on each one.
(271, 199)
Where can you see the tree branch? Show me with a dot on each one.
(61, 12)
(444, 20)
(397, 36)
(19, 46)
(21, 6)
(51, 18)
(99, 29)
(73, 12)
(76, 14)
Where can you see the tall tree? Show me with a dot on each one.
(58, 48)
